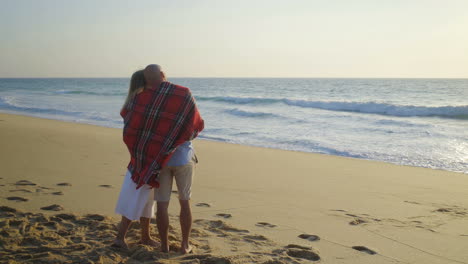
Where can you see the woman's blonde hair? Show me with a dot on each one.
(137, 82)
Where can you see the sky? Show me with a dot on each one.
(242, 38)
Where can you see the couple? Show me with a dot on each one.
(160, 120)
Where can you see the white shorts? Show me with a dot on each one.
(133, 203)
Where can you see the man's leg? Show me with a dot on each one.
(122, 232)
(185, 225)
(145, 233)
(162, 195)
(162, 221)
(184, 176)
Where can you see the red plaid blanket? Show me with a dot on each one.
(156, 121)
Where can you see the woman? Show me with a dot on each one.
(133, 203)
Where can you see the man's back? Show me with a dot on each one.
(161, 118)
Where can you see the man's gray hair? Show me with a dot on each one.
(153, 74)
(153, 67)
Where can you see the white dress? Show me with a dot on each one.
(133, 203)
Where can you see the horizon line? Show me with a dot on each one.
(459, 78)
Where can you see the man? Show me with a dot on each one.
(181, 168)
(159, 124)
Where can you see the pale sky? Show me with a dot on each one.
(235, 38)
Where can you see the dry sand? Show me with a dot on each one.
(251, 205)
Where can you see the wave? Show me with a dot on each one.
(90, 93)
(242, 113)
(456, 112)
(213, 138)
(239, 100)
(6, 104)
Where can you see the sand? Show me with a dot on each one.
(250, 205)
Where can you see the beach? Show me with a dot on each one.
(250, 204)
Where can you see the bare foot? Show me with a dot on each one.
(164, 248)
(150, 242)
(119, 243)
(186, 249)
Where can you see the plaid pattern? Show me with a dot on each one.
(156, 121)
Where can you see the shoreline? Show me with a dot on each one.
(249, 203)
(255, 146)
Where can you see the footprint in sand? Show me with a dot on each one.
(357, 222)
(203, 205)
(105, 186)
(454, 211)
(224, 215)
(352, 215)
(16, 198)
(411, 202)
(218, 226)
(64, 184)
(309, 237)
(7, 209)
(71, 217)
(297, 246)
(308, 254)
(443, 210)
(57, 193)
(365, 250)
(21, 190)
(54, 207)
(255, 237)
(174, 191)
(96, 217)
(338, 210)
(265, 224)
(25, 183)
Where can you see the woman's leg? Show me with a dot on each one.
(121, 208)
(122, 232)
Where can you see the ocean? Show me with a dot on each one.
(416, 122)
